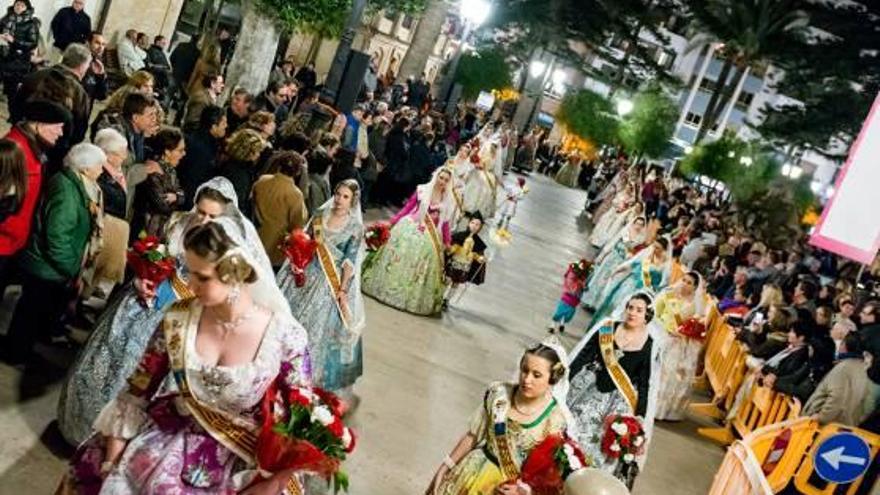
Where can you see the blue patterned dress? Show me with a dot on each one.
(622, 287)
(336, 364)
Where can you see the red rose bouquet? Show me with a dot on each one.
(299, 248)
(624, 438)
(303, 431)
(377, 235)
(692, 328)
(148, 258)
(550, 463)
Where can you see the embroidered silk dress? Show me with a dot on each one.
(622, 249)
(407, 272)
(334, 344)
(679, 357)
(168, 450)
(641, 274)
(126, 325)
(593, 395)
(479, 472)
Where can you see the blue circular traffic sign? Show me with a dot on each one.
(842, 458)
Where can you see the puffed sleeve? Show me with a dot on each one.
(296, 366)
(411, 205)
(124, 415)
(478, 423)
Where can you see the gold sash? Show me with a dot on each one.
(437, 242)
(615, 370)
(237, 434)
(497, 404)
(328, 266)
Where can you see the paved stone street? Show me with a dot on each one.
(424, 377)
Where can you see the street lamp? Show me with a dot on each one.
(473, 13)
(688, 150)
(624, 107)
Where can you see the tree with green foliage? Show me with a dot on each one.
(569, 29)
(747, 32)
(590, 116)
(482, 70)
(769, 205)
(647, 129)
(834, 78)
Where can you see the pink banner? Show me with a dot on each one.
(850, 223)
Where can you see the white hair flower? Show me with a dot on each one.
(615, 447)
(639, 441)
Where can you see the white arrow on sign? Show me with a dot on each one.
(836, 456)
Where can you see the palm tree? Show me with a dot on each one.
(423, 40)
(747, 31)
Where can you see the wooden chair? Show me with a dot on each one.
(740, 473)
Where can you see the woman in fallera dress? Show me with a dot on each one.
(627, 244)
(650, 269)
(189, 418)
(512, 419)
(614, 372)
(124, 328)
(675, 306)
(568, 174)
(604, 229)
(330, 305)
(480, 191)
(407, 272)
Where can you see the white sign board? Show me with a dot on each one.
(850, 223)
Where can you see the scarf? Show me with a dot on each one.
(96, 236)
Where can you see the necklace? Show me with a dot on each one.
(229, 326)
(526, 414)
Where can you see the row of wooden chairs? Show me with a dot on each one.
(724, 372)
(771, 458)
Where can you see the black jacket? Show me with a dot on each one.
(114, 196)
(25, 28)
(183, 62)
(69, 26)
(791, 364)
(199, 164)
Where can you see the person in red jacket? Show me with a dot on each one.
(42, 125)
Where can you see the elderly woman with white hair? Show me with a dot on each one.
(63, 245)
(110, 264)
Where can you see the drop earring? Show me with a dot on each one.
(234, 295)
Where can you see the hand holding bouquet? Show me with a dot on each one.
(303, 431)
(148, 258)
(550, 463)
(624, 438)
(377, 235)
(692, 328)
(299, 248)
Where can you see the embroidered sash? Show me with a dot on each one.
(615, 370)
(328, 266)
(497, 405)
(437, 242)
(235, 433)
